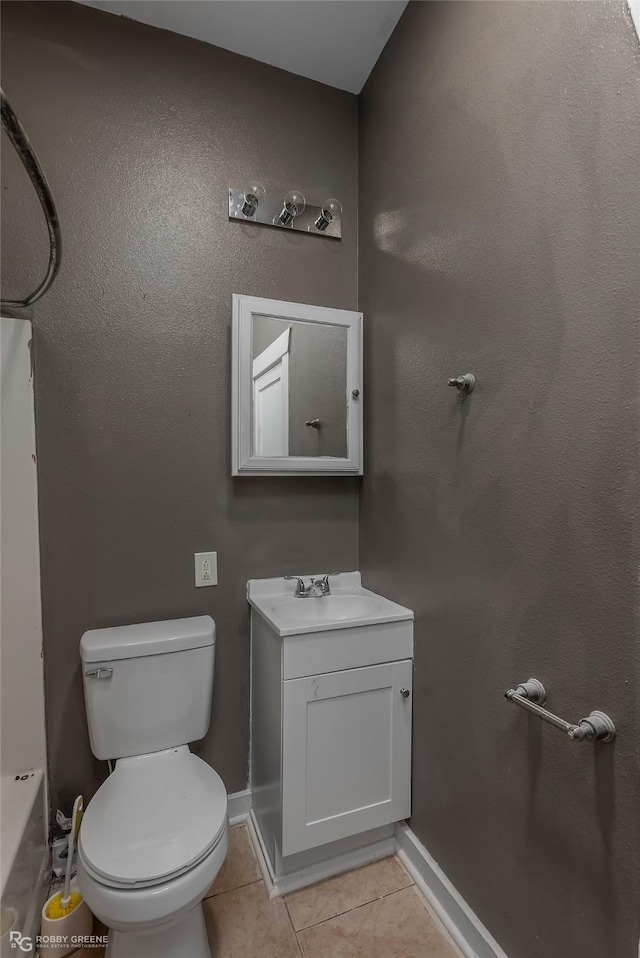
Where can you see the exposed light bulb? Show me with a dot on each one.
(253, 197)
(294, 204)
(330, 212)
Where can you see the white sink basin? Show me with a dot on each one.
(328, 608)
(348, 606)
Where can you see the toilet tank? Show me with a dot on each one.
(148, 687)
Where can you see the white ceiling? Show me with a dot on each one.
(334, 41)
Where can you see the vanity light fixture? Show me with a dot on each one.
(294, 204)
(253, 197)
(330, 211)
(253, 205)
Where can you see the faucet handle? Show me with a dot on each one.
(300, 588)
(325, 581)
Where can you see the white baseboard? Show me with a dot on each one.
(465, 929)
(345, 862)
(261, 854)
(239, 806)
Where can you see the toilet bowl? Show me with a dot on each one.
(155, 834)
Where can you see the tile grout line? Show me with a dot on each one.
(314, 924)
(443, 936)
(218, 894)
(295, 933)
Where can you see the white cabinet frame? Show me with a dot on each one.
(243, 462)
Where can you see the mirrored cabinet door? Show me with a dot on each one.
(297, 389)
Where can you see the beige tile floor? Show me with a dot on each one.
(373, 912)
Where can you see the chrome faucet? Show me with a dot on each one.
(316, 588)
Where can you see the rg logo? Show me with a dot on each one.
(23, 942)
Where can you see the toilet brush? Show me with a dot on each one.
(66, 914)
(64, 902)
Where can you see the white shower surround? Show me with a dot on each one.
(23, 799)
(22, 716)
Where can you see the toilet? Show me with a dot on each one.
(155, 834)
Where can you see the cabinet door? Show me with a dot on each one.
(346, 762)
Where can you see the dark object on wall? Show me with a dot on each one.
(25, 151)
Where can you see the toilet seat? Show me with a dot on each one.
(156, 817)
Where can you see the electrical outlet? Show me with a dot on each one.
(206, 568)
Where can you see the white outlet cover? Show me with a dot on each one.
(206, 569)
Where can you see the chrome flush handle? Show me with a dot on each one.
(99, 673)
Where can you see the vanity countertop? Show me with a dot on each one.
(348, 606)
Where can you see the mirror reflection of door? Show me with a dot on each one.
(271, 399)
(314, 385)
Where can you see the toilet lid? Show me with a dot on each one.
(155, 816)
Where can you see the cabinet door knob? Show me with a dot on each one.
(404, 693)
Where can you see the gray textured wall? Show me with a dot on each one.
(500, 234)
(140, 133)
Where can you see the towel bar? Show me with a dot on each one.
(532, 695)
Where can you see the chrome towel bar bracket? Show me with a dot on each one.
(531, 695)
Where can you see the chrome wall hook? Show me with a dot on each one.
(464, 384)
(314, 423)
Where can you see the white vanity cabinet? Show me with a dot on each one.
(346, 753)
(330, 723)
